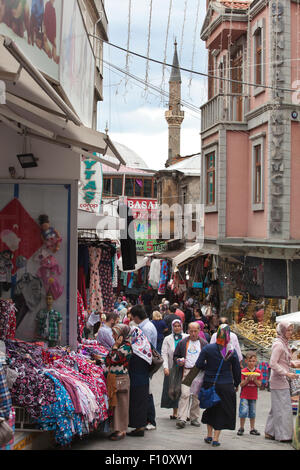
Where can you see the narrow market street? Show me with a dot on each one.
(168, 437)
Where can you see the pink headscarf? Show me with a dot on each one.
(201, 333)
(281, 336)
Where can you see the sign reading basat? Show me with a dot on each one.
(146, 215)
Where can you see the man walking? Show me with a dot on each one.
(185, 356)
(105, 336)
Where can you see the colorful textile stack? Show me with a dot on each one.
(66, 395)
(7, 319)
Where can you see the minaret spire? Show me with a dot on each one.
(174, 115)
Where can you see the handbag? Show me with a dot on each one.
(175, 378)
(122, 383)
(209, 397)
(6, 432)
(157, 361)
(294, 385)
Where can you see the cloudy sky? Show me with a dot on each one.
(135, 113)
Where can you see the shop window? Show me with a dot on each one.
(155, 188)
(112, 186)
(147, 187)
(117, 186)
(106, 187)
(210, 179)
(138, 187)
(129, 187)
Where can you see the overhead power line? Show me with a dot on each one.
(202, 74)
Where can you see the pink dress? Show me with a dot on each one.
(96, 303)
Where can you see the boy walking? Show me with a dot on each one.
(251, 380)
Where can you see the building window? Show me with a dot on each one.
(210, 179)
(257, 175)
(112, 186)
(258, 146)
(258, 56)
(140, 187)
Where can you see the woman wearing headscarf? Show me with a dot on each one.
(139, 369)
(279, 424)
(168, 347)
(202, 333)
(118, 382)
(221, 354)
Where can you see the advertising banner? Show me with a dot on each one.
(35, 26)
(90, 189)
(77, 64)
(146, 224)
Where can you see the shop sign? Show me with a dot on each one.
(146, 215)
(151, 246)
(90, 190)
(277, 124)
(144, 208)
(35, 27)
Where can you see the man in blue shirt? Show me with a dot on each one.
(139, 316)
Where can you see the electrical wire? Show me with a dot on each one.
(148, 47)
(166, 45)
(182, 31)
(202, 74)
(194, 44)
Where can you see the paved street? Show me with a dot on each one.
(168, 437)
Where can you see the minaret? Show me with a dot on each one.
(174, 116)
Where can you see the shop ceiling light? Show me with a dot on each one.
(27, 160)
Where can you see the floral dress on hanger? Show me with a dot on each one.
(96, 303)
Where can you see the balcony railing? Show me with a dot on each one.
(224, 108)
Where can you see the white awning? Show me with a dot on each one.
(289, 317)
(92, 221)
(32, 106)
(188, 254)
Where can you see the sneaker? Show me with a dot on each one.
(241, 432)
(180, 424)
(195, 422)
(150, 427)
(254, 432)
(215, 443)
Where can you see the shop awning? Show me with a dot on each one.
(289, 317)
(92, 221)
(34, 108)
(189, 254)
(141, 262)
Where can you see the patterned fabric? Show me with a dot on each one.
(48, 322)
(140, 345)
(95, 301)
(118, 359)
(264, 369)
(105, 274)
(5, 398)
(223, 339)
(164, 271)
(115, 271)
(80, 316)
(60, 416)
(7, 319)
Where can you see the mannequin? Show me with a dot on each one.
(49, 323)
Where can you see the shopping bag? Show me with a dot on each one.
(294, 385)
(175, 378)
(197, 383)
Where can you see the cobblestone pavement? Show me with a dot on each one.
(168, 437)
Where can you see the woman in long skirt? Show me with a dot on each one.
(279, 424)
(212, 357)
(139, 368)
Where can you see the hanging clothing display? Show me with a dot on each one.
(163, 280)
(7, 319)
(80, 316)
(154, 273)
(105, 278)
(49, 271)
(48, 325)
(127, 239)
(96, 303)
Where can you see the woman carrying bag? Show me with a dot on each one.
(118, 382)
(222, 368)
(168, 347)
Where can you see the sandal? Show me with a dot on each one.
(216, 443)
(173, 417)
(254, 432)
(271, 438)
(208, 440)
(117, 437)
